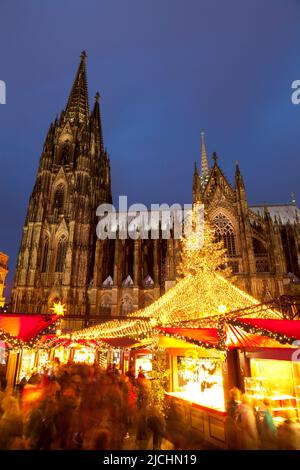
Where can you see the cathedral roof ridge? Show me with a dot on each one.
(286, 213)
(284, 204)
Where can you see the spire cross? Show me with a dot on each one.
(215, 157)
(97, 97)
(83, 55)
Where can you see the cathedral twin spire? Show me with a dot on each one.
(205, 169)
(200, 180)
(77, 109)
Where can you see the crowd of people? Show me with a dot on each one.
(77, 406)
(250, 425)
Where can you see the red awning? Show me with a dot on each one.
(236, 337)
(25, 326)
(121, 342)
(290, 328)
(205, 335)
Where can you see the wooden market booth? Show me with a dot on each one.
(259, 358)
(19, 334)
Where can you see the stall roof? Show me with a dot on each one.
(289, 328)
(237, 337)
(63, 341)
(193, 298)
(25, 326)
(121, 342)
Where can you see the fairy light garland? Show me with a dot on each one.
(280, 337)
(15, 343)
(202, 290)
(188, 339)
(204, 287)
(222, 333)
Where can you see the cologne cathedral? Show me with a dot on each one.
(61, 258)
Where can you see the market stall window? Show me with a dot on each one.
(199, 380)
(27, 364)
(62, 354)
(42, 360)
(84, 356)
(143, 364)
(278, 381)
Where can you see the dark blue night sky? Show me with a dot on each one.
(165, 70)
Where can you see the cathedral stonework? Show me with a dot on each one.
(263, 242)
(61, 258)
(3, 274)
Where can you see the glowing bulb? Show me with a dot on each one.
(222, 308)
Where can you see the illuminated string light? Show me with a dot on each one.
(204, 289)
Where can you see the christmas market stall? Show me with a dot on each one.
(256, 355)
(19, 337)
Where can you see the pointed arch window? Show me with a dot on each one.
(44, 265)
(59, 199)
(65, 154)
(225, 232)
(61, 255)
(261, 256)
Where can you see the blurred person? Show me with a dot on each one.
(143, 388)
(266, 427)
(41, 429)
(289, 432)
(141, 374)
(231, 428)
(98, 439)
(11, 423)
(157, 425)
(64, 419)
(131, 374)
(246, 420)
(142, 431)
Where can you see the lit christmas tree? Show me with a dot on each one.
(201, 252)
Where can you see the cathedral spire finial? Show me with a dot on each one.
(204, 159)
(215, 157)
(239, 182)
(96, 121)
(293, 196)
(83, 55)
(77, 109)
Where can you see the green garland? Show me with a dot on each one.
(12, 341)
(280, 337)
(222, 334)
(189, 340)
(16, 343)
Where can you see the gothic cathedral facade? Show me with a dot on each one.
(60, 257)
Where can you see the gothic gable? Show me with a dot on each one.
(220, 199)
(62, 230)
(218, 185)
(60, 177)
(66, 134)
